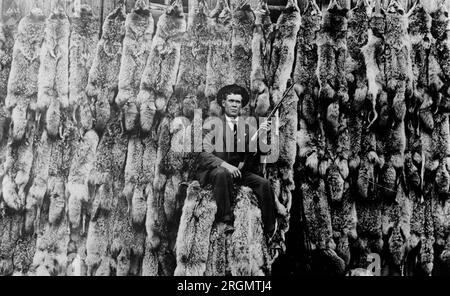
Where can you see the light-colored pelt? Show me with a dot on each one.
(104, 74)
(17, 166)
(50, 258)
(193, 238)
(53, 78)
(77, 190)
(283, 50)
(216, 265)
(22, 83)
(248, 246)
(219, 55)
(83, 44)
(98, 240)
(160, 72)
(139, 29)
(243, 21)
(192, 70)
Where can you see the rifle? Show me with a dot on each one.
(271, 114)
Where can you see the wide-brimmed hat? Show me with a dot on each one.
(233, 89)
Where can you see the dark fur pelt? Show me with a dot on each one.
(104, 73)
(83, 44)
(333, 94)
(139, 29)
(306, 62)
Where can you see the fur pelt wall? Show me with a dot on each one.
(89, 179)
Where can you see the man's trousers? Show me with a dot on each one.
(222, 183)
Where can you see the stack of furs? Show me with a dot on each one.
(99, 137)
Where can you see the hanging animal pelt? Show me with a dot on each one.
(280, 173)
(441, 53)
(77, 190)
(42, 152)
(318, 223)
(83, 44)
(160, 72)
(243, 20)
(249, 256)
(139, 28)
(193, 237)
(306, 63)
(22, 84)
(283, 50)
(344, 220)
(104, 73)
(194, 57)
(133, 191)
(17, 168)
(357, 38)
(396, 226)
(8, 34)
(398, 65)
(53, 79)
(260, 97)
(333, 94)
(106, 181)
(219, 54)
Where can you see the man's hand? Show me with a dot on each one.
(265, 126)
(234, 171)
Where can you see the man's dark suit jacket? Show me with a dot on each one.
(211, 160)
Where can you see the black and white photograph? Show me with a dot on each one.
(244, 140)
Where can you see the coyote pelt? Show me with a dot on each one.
(192, 70)
(333, 93)
(139, 28)
(219, 52)
(97, 244)
(283, 50)
(193, 238)
(306, 62)
(17, 167)
(243, 21)
(260, 102)
(50, 258)
(23, 78)
(344, 220)
(83, 44)
(53, 79)
(10, 232)
(104, 74)
(358, 26)
(249, 250)
(77, 190)
(216, 264)
(39, 172)
(133, 190)
(160, 72)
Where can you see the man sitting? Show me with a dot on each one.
(221, 167)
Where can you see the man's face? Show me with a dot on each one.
(232, 105)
